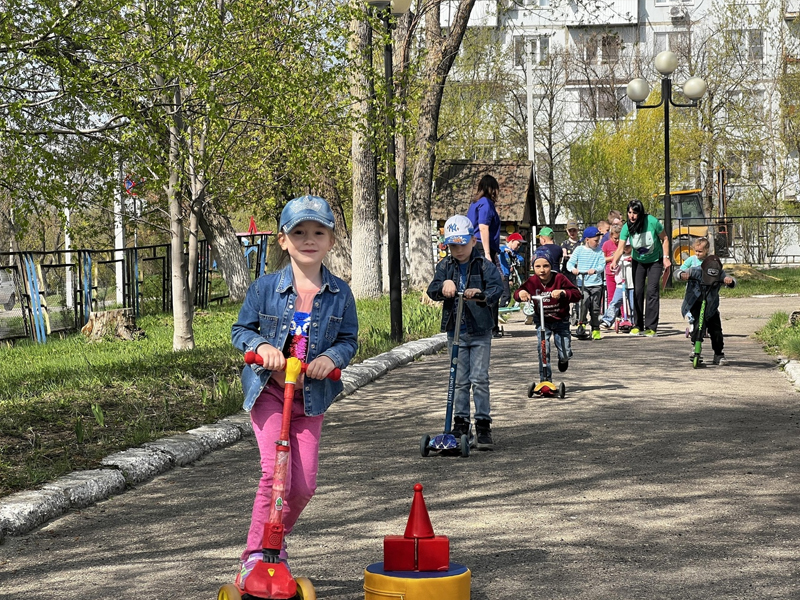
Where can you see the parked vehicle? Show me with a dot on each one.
(689, 222)
(8, 291)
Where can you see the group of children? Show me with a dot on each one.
(304, 311)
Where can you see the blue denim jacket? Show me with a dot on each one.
(265, 317)
(481, 274)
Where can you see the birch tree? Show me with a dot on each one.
(441, 48)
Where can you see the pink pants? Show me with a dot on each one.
(301, 480)
(611, 287)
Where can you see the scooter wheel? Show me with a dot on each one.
(688, 332)
(229, 592)
(531, 387)
(580, 331)
(425, 445)
(616, 326)
(696, 361)
(465, 445)
(562, 390)
(305, 589)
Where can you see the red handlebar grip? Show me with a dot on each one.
(251, 357)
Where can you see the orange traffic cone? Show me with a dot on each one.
(419, 523)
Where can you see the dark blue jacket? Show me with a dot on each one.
(694, 291)
(481, 274)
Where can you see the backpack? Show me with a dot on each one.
(712, 270)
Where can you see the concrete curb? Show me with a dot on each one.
(24, 511)
(792, 371)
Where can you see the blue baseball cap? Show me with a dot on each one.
(542, 253)
(591, 232)
(306, 208)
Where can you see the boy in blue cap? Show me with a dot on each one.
(588, 263)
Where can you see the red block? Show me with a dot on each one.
(433, 554)
(398, 553)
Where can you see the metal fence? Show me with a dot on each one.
(760, 241)
(42, 293)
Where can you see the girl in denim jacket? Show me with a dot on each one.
(306, 312)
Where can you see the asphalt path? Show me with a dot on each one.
(649, 480)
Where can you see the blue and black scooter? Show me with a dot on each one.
(446, 442)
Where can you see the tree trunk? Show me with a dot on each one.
(119, 323)
(441, 52)
(193, 258)
(182, 309)
(339, 259)
(226, 250)
(366, 239)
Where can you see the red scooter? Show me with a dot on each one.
(270, 579)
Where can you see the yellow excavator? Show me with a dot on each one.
(690, 222)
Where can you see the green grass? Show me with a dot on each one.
(752, 283)
(66, 404)
(780, 337)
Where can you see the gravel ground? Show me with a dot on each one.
(649, 480)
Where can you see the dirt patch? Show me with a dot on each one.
(748, 273)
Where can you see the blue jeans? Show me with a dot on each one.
(563, 340)
(615, 307)
(472, 371)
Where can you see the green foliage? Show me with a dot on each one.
(779, 336)
(625, 160)
(137, 391)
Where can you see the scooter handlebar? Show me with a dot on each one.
(479, 297)
(251, 357)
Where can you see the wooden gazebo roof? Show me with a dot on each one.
(456, 185)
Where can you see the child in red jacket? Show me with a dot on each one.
(558, 293)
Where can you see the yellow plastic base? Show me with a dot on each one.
(409, 585)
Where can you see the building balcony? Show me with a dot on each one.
(540, 13)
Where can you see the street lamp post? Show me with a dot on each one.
(638, 90)
(387, 9)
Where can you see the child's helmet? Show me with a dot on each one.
(712, 269)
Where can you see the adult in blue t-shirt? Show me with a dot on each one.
(486, 222)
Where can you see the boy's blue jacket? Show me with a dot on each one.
(481, 274)
(694, 291)
(265, 317)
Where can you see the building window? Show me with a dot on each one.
(606, 48)
(540, 46)
(602, 103)
(610, 47)
(590, 50)
(749, 44)
(675, 41)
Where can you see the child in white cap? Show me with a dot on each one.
(466, 270)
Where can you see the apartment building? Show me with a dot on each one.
(740, 48)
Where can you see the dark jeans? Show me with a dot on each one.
(712, 324)
(592, 303)
(646, 315)
(506, 297)
(496, 305)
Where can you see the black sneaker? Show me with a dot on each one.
(563, 365)
(719, 359)
(460, 427)
(484, 429)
